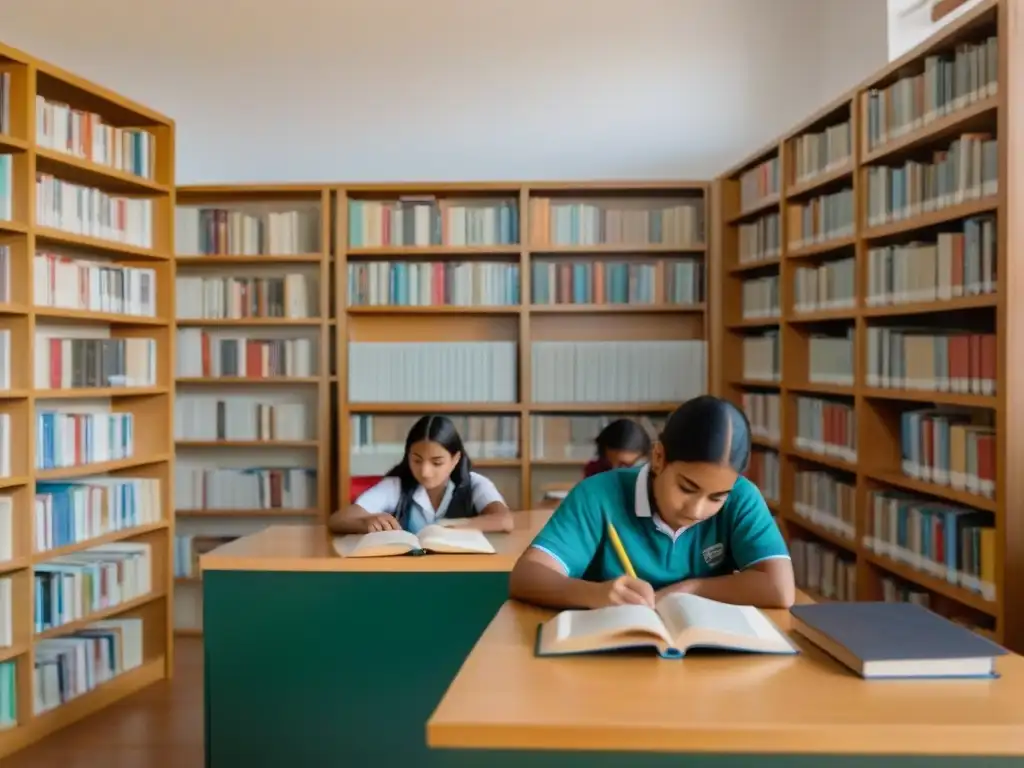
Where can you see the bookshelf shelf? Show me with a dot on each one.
(92, 369)
(554, 249)
(910, 305)
(254, 332)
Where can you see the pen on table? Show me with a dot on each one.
(620, 550)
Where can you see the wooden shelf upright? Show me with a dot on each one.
(898, 404)
(254, 328)
(558, 268)
(86, 298)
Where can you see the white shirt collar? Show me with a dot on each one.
(422, 499)
(642, 505)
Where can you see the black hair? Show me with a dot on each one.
(440, 430)
(710, 430)
(623, 435)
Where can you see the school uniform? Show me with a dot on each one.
(383, 498)
(742, 534)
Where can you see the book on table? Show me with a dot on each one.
(677, 624)
(880, 640)
(431, 538)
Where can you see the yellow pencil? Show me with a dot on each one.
(620, 551)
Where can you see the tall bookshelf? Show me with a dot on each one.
(86, 297)
(517, 281)
(253, 403)
(865, 326)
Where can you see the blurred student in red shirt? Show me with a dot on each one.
(623, 443)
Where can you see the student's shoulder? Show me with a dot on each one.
(613, 485)
(480, 481)
(745, 497)
(386, 485)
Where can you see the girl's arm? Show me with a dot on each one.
(494, 515)
(371, 511)
(768, 584)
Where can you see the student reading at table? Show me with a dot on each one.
(433, 484)
(623, 443)
(688, 521)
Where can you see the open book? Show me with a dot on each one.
(431, 538)
(678, 623)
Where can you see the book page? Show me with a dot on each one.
(683, 612)
(384, 542)
(616, 620)
(438, 538)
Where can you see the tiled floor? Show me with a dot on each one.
(159, 727)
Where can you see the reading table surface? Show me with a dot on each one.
(504, 698)
(309, 548)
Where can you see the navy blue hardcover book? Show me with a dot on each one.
(896, 640)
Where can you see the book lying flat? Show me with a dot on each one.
(432, 538)
(896, 640)
(679, 623)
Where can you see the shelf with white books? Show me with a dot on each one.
(253, 319)
(87, 296)
(504, 272)
(895, 334)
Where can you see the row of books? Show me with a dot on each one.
(760, 298)
(377, 442)
(216, 298)
(932, 361)
(202, 354)
(760, 240)
(830, 359)
(764, 472)
(69, 282)
(571, 438)
(77, 363)
(75, 438)
(5, 359)
(760, 183)
(950, 265)
(82, 210)
(5, 272)
(826, 427)
(899, 591)
(5, 444)
(419, 221)
(6, 528)
(617, 371)
(826, 217)
(762, 357)
(6, 187)
(946, 541)
(951, 80)
(823, 570)
(189, 548)
(249, 488)
(74, 587)
(266, 231)
(6, 612)
(74, 664)
(967, 170)
(826, 286)
(948, 447)
(762, 410)
(627, 221)
(425, 284)
(8, 691)
(70, 513)
(5, 102)
(242, 418)
(618, 282)
(819, 152)
(826, 500)
(83, 134)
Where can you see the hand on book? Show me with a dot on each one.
(626, 590)
(381, 522)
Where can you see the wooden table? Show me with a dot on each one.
(311, 657)
(642, 712)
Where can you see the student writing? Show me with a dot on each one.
(433, 484)
(623, 443)
(688, 520)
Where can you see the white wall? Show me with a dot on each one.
(462, 89)
(909, 23)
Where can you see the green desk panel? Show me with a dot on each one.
(305, 670)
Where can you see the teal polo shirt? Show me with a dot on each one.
(741, 534)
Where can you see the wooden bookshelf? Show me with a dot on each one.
(254, 324)
(924, 278)
(78, 133)
(538, 232)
